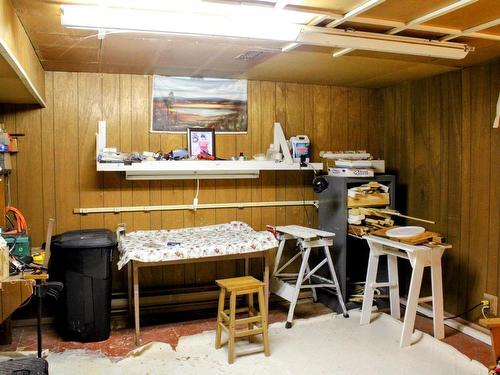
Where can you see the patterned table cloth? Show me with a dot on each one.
(213, 240)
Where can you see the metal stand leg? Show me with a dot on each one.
(335, 281)
(38, 293)
(279, 253)
(298, 284)
(308, 270)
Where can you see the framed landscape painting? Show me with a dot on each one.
(180, 103)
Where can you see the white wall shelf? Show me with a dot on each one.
(199, 169)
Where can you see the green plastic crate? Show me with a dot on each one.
(22, 246)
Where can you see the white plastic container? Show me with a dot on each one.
(300, 146)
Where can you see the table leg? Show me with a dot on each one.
(130, 290)
(267, 261)
(135, 277)
(371, 277)
(437, 293)
(412, 302)
(392, 264)
(247, 266)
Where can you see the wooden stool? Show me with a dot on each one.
(226, 319)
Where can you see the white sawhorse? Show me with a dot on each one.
(419, 257)
(288, 285)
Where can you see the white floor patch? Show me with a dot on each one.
(329, 344)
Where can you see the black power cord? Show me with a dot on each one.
(454, 316)
(465, 312)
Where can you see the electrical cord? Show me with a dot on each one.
(465, 312)
(482, 311)
(195, 199)
(458, 315)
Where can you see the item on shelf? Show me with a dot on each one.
(370, 194)
(242, 157)
(259, 157)
(205, 156)
(300, 146)
(378, 166)
(347, 172)
(270, 152)
(346, 155)
(201, 141)
(177, 154)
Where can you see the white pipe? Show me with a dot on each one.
(175, 207)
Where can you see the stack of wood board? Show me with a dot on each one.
(370, 194)
(365, 220)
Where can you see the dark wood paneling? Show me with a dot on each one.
(438, 138)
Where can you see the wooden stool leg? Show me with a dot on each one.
(437, 293)
(412, 302)
(232, 325)
(220, 320)
(250, 313)
(263, 313)
(371, 277)
(392, 264)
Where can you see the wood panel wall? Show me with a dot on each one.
(438, 138)
(54, 171)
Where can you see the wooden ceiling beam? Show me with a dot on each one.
(355, 12)
(471, 30)
(417, 21)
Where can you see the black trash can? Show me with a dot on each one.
(81, 260)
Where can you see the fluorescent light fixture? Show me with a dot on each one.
(227, 21)
(381, 42)
(356, 11)
(190, 175)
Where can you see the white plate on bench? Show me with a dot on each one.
(405, 232)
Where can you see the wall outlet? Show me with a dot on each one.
(493, 303)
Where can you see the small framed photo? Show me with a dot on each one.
(201, 141)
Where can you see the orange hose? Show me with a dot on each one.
(22, 226)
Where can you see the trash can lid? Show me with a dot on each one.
(85, 239)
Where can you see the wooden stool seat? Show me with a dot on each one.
(255, 322)
(240, 283)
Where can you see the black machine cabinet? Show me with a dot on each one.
(350, 254)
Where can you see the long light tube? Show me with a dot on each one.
(255, 24)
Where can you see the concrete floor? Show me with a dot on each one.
(121, 341)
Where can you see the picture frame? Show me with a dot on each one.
(179, 103)
(201, 141)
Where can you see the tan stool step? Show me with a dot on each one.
(256, 321)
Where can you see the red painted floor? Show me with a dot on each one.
(122, 340)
